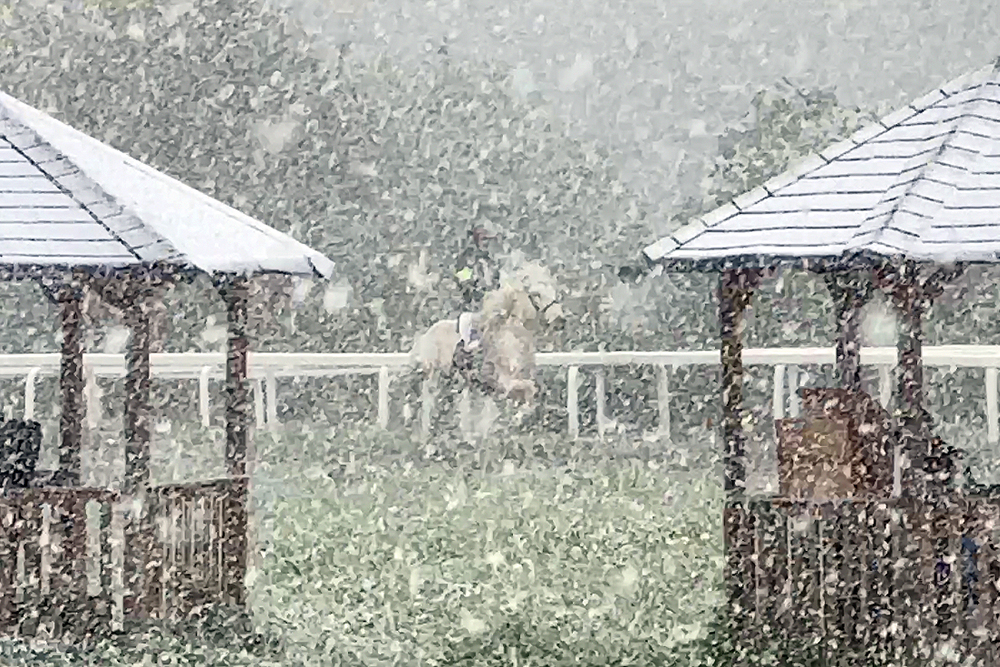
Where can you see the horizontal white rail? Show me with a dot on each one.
(265, 367)
(298, 364)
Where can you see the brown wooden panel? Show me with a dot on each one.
(152, 579)
(982, 619)
(772, 575)
(880, 571)
(29, 599)
(204, 548)
(804, 575)
(814, 458)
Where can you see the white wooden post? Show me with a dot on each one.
(663, 401)
(573, 400)
(601, 390)
(29, 393)
(203, 406)
(93, 405)
(778, 397)
(271, 401)
(258, 403)
(885, 385)
(119, 524)
(383, 397)
(794, 408)
(992, 424)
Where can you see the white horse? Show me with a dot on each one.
(503, 333)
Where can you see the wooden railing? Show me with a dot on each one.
(897, 575)
(54, 559)
(65, 565)
(202, 542)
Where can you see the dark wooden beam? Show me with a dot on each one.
(735, 288)
(234, 292)
(137, 392)
(850, 292)
(912, 292)
(71, 384)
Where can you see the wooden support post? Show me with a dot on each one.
(735, 287)
(137, 390)
(139, 538)
(71, 384)
(914, 430)
(850, 292)
(235, 294)
(734, 296)
(912, 296)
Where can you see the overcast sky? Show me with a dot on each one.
(648, 77)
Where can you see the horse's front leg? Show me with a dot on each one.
(427, 395)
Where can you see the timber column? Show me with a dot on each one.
(235, 293)
(735, 289)
(850, 292)
(71, 382)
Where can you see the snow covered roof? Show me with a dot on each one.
(67, 199)
(921, 183)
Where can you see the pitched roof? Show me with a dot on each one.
(67, 199)
(923, 182)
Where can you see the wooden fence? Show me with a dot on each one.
(71, 559)
(900, 579)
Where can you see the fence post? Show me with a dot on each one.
(573, 400)
(600, 390)
(793, 391)
(271, 401)
(426, 406)
(203, 398)
(778, 396)
(992, 425)
(258, 403)
(383, 397)
(663, 400)
(29, 393)
(93, 405)
(884, 385)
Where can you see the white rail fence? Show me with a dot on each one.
(266, 368)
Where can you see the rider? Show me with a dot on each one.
(477, 271)
(477, 274)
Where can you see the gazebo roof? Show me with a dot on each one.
(67, 199)
(922, 183)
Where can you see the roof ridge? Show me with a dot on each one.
(949, 90)
(945, 138)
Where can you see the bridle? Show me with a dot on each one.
(534, 304)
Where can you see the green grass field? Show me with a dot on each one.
(398, 561)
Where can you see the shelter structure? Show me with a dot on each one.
(81, 218)
(902, 206)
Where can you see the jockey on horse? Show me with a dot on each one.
(477, 274)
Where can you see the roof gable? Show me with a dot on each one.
(923, 182)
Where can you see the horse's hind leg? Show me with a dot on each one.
(427, 404)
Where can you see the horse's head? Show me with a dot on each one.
(531, 295)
